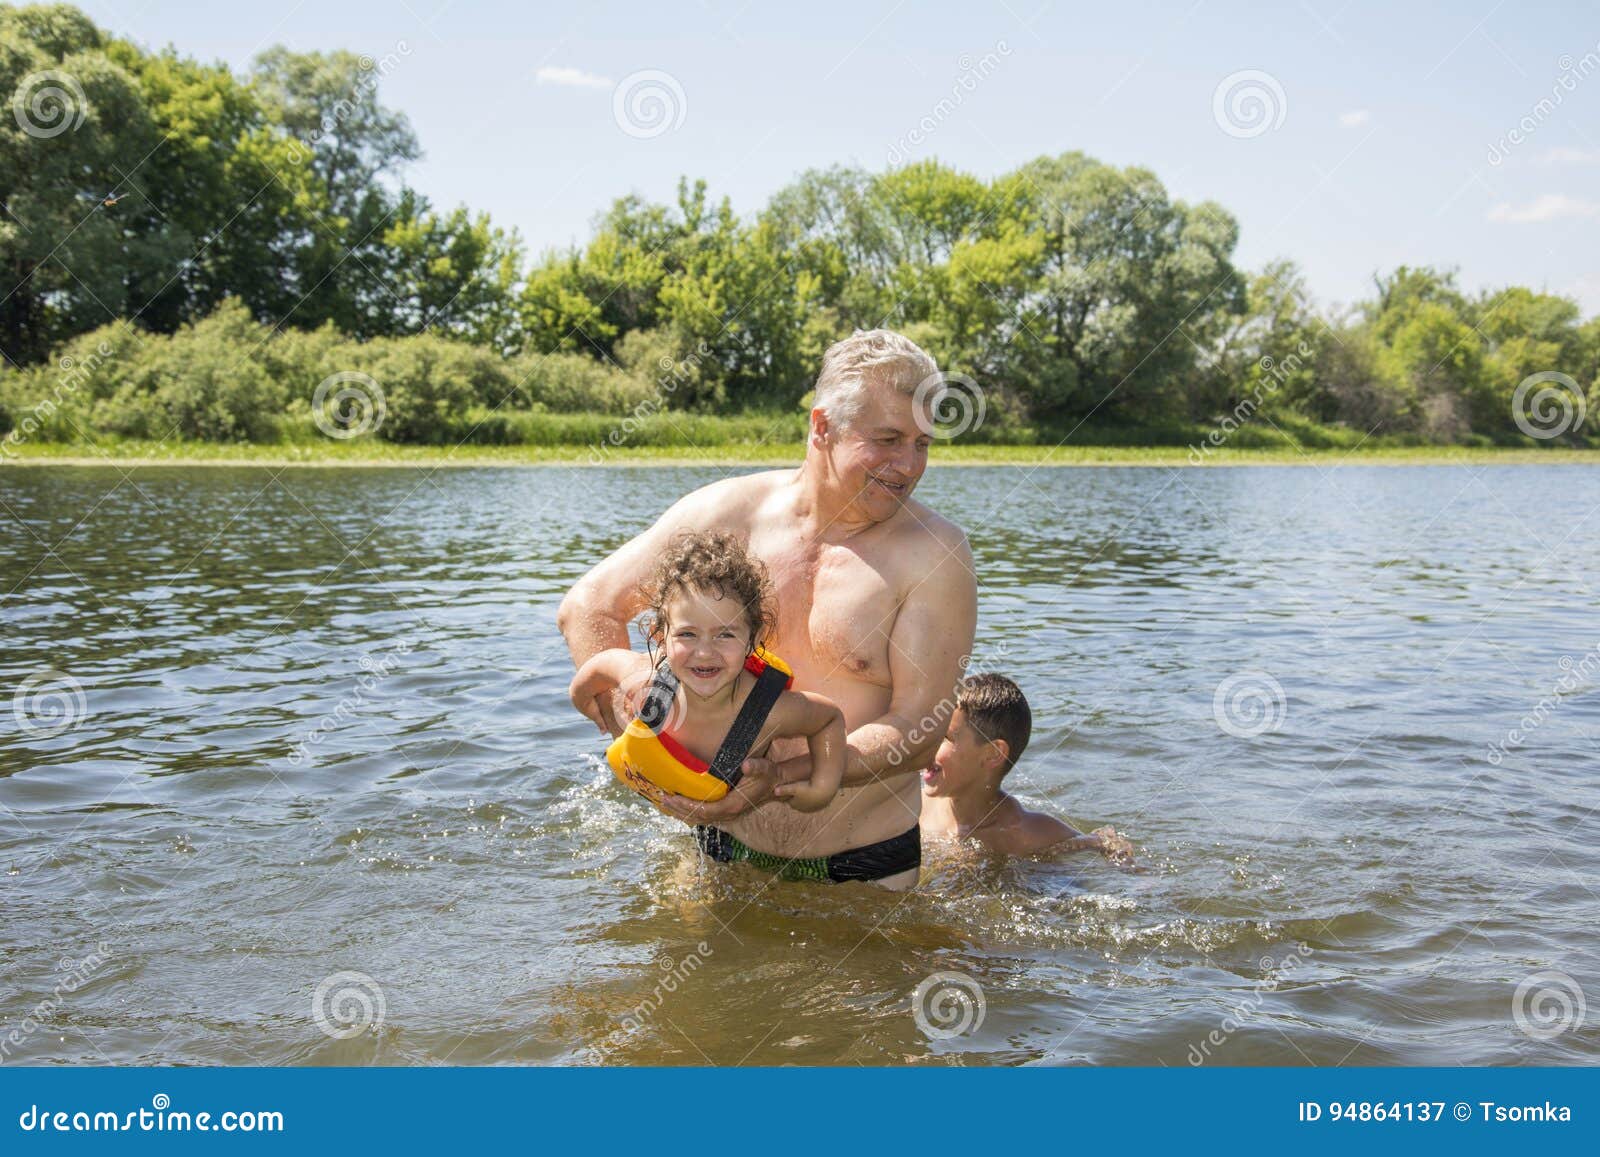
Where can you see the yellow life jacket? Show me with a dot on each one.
(651, 761)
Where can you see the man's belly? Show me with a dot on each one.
(858, 816)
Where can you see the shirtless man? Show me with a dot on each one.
(877, 606)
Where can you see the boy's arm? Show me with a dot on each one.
(601, 672)
(822, 723)
(1046, 833)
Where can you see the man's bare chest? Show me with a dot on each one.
(836, 610)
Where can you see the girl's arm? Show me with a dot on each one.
(600, 674)
(815, 717)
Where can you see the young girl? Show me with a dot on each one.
(710, 607)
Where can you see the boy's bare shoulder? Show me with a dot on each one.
(1024, 833)
(1037, 832)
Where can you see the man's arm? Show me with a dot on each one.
(932, 635)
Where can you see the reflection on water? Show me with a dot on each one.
(318, 728)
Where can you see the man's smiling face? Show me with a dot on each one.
(880, 454)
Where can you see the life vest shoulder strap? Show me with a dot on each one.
(772, 680)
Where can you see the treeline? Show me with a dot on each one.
(189, 251)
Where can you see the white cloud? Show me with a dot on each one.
(1354, 119)
(1587, 291)
(1571, 156)
(570, 78)
(1550, 207)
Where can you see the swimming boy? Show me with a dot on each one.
(961, 793)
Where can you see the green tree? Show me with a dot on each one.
(70, 260)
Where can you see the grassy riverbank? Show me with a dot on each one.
(375, 453)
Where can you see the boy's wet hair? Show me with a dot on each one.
(996, 708)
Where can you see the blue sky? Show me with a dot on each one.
(1386, 138)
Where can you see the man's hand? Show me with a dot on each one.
(753, 789)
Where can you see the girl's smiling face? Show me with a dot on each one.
(707, 639)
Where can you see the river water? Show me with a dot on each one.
(288, 776)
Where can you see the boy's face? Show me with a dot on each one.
(964, 761)
(707, 640)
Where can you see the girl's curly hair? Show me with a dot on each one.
(712, 562)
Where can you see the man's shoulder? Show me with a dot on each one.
(930, 529)
(727, 498)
